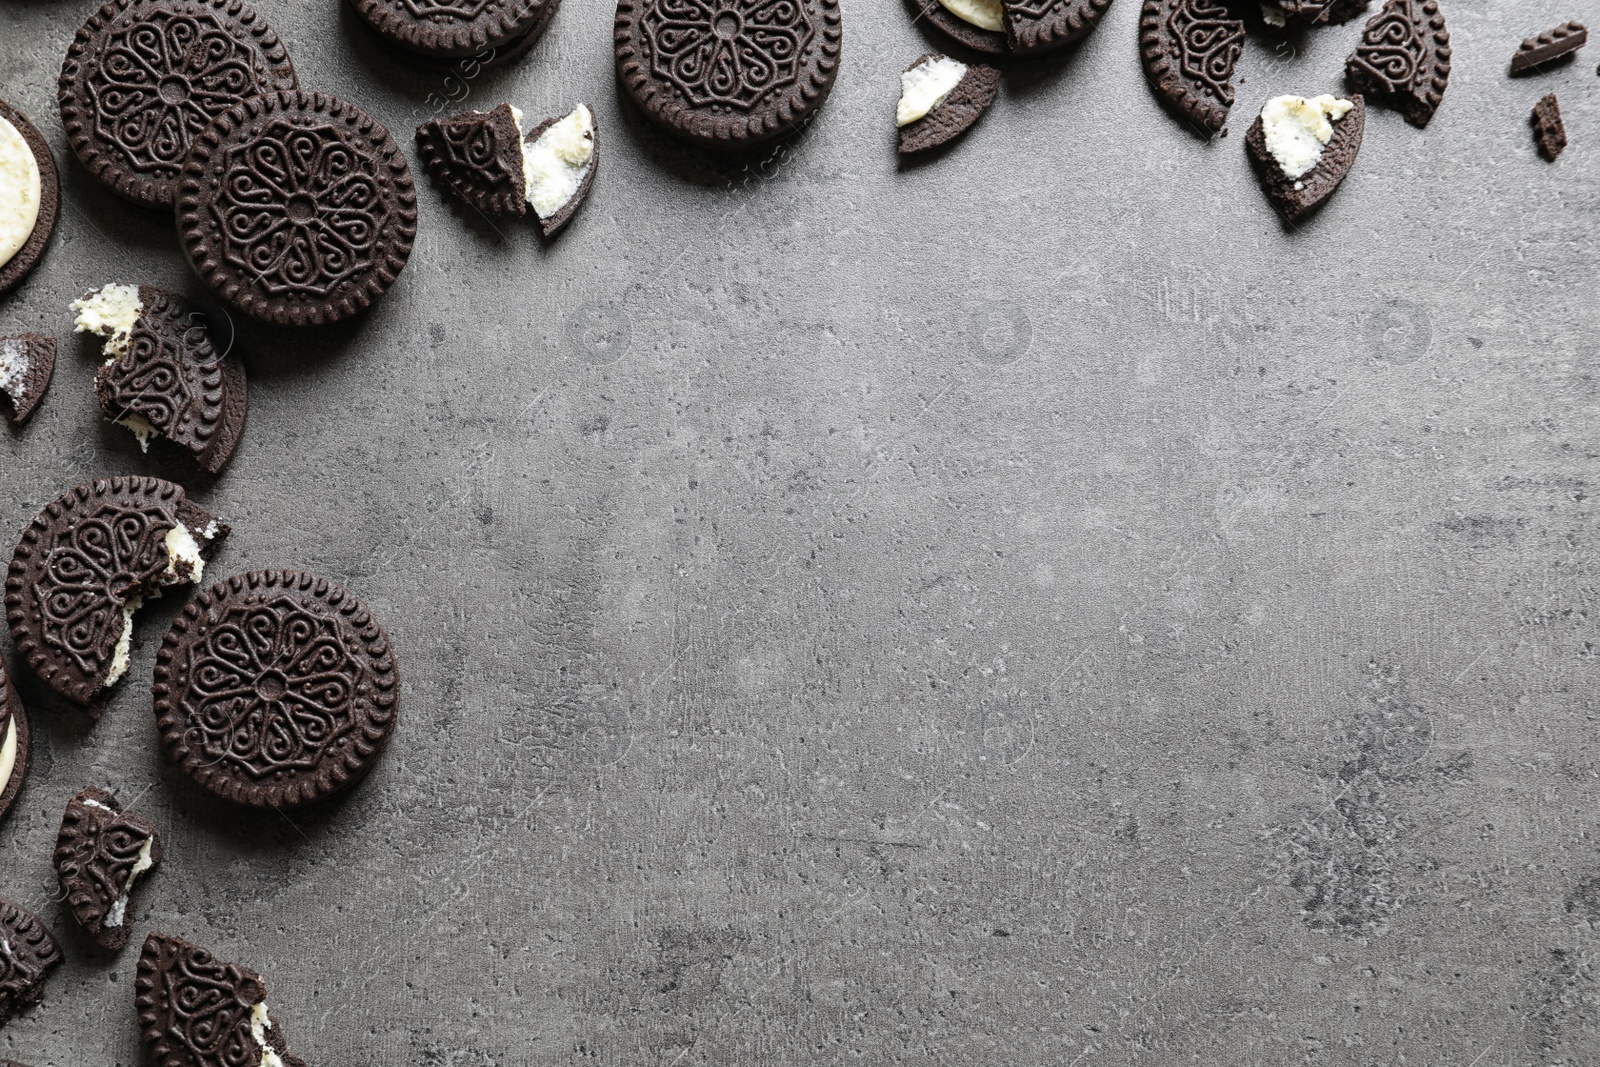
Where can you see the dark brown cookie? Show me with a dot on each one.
(1548, 130)
(478, 156)
(18, 265)
(31, 953)
(143, 78)
(1321, 11)
(197, 1011)
(297, 208)
(27, 363)
(955, 114)
(86, 564)
(1295, 197)
(1035, 26)
(561, 166)
(163, 378)
(1404, 58)
(1553, 46)
(455, 29)
(1189, 48)
(959, 30)
(16, 743)
(732, 74)
(276, 690)
(101, 853)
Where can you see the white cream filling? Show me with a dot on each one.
(142, 430)
(8, 755)
(925, 86)
(184, 565)
(1274, 16)
(121, 655)
(110, 311)
(14, 370)
(555, 164)
(984, 14)
(119, 907)
(20, 192)
(259, 1025)
(96, 804)
(1297, 129)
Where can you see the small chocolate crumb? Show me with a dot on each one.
(1548, 129)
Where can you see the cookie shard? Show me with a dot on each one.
(15, 743)
(1190, 49)
(86, 564)
(162, 376)
(31, 954)
(1037, 26)
(1549, 132)
(477, 155)
(101, 854)
(1297, 194)
(560, 158)
(924, 125)
(27, 363)
(195, 1010)
(1403, 59)
(1552, 46)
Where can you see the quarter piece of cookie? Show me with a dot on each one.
(1537, 54)
(101, 853)
(31, 953)
(1190, 48)
(27, 363)
(976, 24)
(1034, 27)
(1549, 132)
(197, 1011)
(87, 564)
(941, 99)
(162, 376)
(1404, 58)
(276, 690)
(297, 208)
(457, 29)
(30, 196)
(15, 743)
(143, 78)
(559, 159)
(730, 75)
(1303, 148)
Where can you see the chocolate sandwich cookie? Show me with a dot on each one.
(87, 564)
(27, 363)
(29, 957)
(30, 196)
(297, 208)
(1190, 48)
(975, 24)
(197, 1011)
(1314, 12)
(1037, 26)
(101, 853)
(1404, 58)
(162, 377)
(496, 30)
(1549, 132)
(1303, 148)
(560, 157)
(1553, 46)
(16, 743)
(941, 99)
(143, 78)
(728, 74)
(276, 690)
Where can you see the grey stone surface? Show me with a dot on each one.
(1029, 607)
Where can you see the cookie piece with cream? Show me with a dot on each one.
(15, 743)
(31, 953)
(86, 565)
(1303, 148)
(27, 363)
(197, 1011)
(102, 852)
(163, 376)
(940, 99)
(30, 196)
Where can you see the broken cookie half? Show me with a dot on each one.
(163, 376)
(941, 99)
(1303, 148)
(1014, 27)
(486, 159)
(197, 1011)
(27, 362)
(29, 954)
(15, 743)
(89, 562)
(101, 853)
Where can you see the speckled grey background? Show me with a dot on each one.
(1026, 608)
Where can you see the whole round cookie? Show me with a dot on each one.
(728, 74)
(143, 78)
(30, 196)
(16, 743)
(456, 29)
(297, 208)
(276, 689)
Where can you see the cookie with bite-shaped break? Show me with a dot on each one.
(1190, 49)
(31, 953)
(195, 1010)
(1403, 59)
(101, 854)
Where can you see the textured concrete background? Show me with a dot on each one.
(1030, 607)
